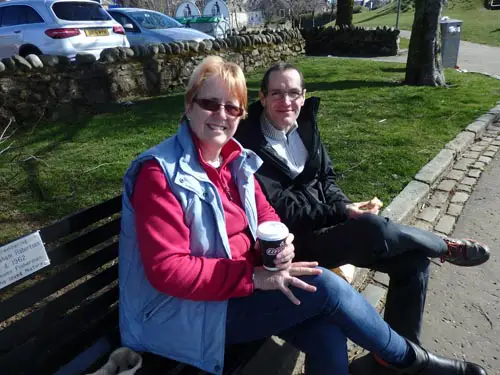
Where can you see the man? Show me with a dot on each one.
(297, 177)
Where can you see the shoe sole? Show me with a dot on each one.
(470, 262)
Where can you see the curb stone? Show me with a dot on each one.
(442, 163)
(422, 193)
(436, 167)
(439, 211)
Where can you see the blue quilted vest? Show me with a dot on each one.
(188, 331)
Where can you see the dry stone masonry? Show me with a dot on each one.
(351, 41)
(47, 86)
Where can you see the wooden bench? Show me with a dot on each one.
(63, 319)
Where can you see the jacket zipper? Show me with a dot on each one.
(228, 192)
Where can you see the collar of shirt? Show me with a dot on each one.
(270, 131)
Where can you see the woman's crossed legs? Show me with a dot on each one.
(319, 326)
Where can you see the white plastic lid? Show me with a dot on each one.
(272, 231)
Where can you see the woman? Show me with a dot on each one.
(191, 280)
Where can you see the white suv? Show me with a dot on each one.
(57, 27)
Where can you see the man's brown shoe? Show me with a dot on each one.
(465, 253)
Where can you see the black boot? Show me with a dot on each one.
(431, 364)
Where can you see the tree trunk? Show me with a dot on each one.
(423, 66)
(344, 12)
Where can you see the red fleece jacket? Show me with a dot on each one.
(163, 236)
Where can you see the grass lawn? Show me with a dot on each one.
(378, 132)
(404, 43)
(479, 25)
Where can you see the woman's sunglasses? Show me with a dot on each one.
(214, 106)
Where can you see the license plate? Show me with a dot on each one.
(96, 32)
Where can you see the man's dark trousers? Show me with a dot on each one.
(375, 242)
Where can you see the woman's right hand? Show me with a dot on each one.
(283, 279)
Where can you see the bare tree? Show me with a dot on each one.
(424, 54)
(5, 145)
(164, 6)
(297, 9)
(269, 8)
(316, 6)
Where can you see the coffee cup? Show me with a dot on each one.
(272, 236)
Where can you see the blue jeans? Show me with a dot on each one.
(319, 326)
(375, 242)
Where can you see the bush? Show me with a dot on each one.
(320, 19)
(350, 41)
(357, 9)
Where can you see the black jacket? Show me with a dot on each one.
(310, 201)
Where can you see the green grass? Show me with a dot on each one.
(479, 25)
(378, 132)
(404, 43)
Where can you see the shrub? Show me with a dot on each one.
(357, 9)
(351, 41)
(320, 19)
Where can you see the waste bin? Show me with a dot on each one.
(450, 41)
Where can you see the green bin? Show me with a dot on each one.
(214, 26)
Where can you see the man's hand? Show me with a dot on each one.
(372, 206)
(283, 279)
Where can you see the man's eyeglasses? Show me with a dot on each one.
(280, 95)
(213, 106)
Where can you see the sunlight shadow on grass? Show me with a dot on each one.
(394, 70)
(348, 85)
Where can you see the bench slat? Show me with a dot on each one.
(86, 241)
(66, 330)
(81, 219)
(89, 360)
(154, 364)
(30, 296)
(52, 362)
(238, 355)
(24, 328)
(55, 340)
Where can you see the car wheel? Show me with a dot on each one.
(29, 50)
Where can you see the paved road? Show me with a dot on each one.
(471, 56)
(463, 305)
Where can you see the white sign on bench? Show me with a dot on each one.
(21, 258)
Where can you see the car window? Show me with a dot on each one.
(11, 16)
(32, 15)
(151, 20)
(76, 11)
(18, 15)
(122, 19)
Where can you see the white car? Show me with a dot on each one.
(57, 27)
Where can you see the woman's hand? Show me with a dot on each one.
(283, 279)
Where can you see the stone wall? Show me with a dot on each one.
(49, 86)
(351, 41)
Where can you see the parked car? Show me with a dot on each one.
(57, 27)
(145, 26)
